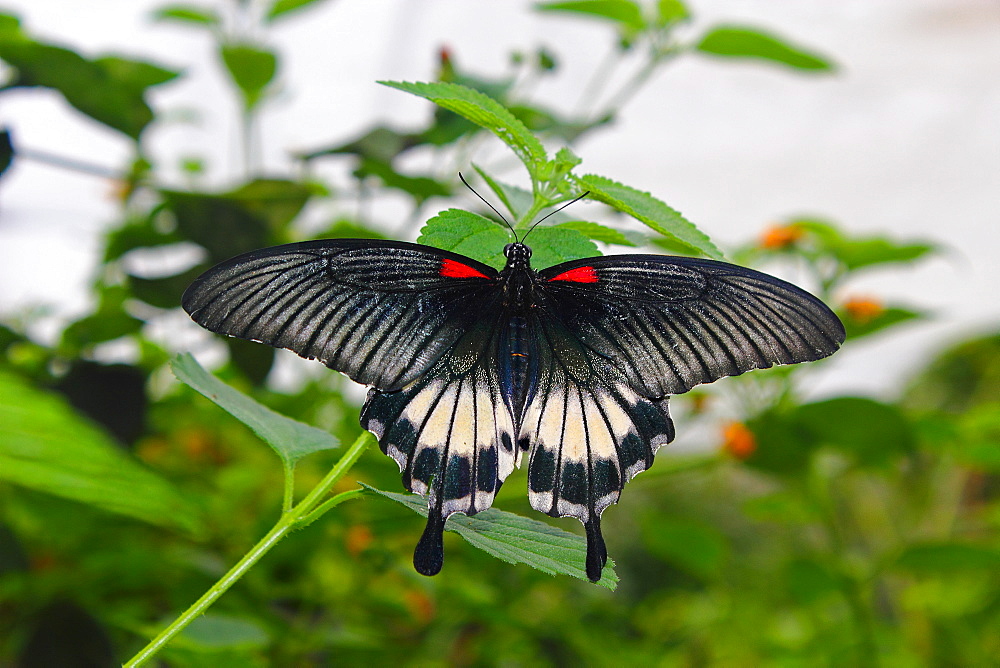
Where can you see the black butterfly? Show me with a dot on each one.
(470, 368)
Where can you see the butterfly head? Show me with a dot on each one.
(518, 255)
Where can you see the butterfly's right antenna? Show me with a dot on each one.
(488, 204)
(552, 213)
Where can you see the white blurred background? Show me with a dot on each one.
(904, 139)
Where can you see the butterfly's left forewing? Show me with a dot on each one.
(380, 311)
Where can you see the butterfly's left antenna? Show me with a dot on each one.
(488, 204)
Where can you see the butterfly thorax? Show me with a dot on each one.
(517, 277)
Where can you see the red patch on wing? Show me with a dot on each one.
(578, 275)
(453, 269)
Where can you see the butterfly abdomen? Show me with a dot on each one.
(518, 366)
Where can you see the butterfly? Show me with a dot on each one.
(471, 368)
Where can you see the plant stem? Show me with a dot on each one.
(288, 495)
(291, 519)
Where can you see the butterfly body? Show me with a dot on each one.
(471, 368)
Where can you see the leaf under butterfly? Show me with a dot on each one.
(466, 233)
(290, 439)
(598, 232)
(516, 539)
(552, 245)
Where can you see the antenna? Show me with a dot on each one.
(552, 213)
(509, 226)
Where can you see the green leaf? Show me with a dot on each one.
(164, 291)
(781, 447)
(960, 378)
(873, 432)
(214, 631)
(744, 42)
(420, 188)
(859, 327)
(379, 143)
(948, 558)
(694, 546)
(48, 447)
(552, 245)
(515, 199)
(858, 252)
(290, 439)
(109, 90)
(598, 232)
(467, 233)
(251, 68)
(135, 73)
(516, 539)
(627, 14)
(142, 233)
(346, 228)
(251, 217)
(110, 321)
(544, 121)
(671, 11)
(10, 26)
(282, 8)
(485, 112)
(808, 580)
(978, 442)
(187, 14)
(647, 209)
(275, 201)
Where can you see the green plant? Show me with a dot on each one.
(846, 530)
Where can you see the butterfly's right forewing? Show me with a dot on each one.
(670, 323)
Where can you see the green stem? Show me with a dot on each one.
(295, 517)
(288, 497)
(635, 83)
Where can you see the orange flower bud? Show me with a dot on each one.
(738, 441)
(358, 538)
(863, 309)
(420, 605)
(777, 237)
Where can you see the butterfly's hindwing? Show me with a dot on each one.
(450, 433)
(589, 432)
(381, 312)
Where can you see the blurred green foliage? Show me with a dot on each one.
(845, 531)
